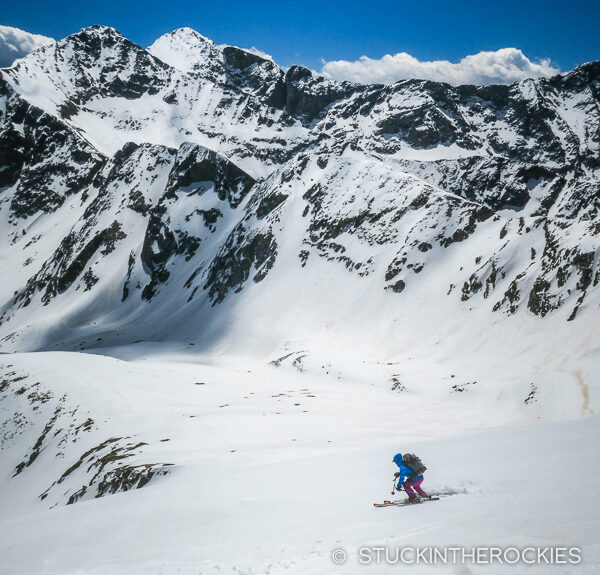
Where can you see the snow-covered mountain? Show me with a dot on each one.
(416, 248)
(109, 188)
(115, 207)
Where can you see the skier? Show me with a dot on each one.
(411, 469)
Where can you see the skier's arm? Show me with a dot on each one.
(401, 476)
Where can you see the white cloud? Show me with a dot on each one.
(500, 67)
(15, 43)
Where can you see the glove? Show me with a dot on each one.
(397, 474)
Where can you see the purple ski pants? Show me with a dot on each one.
(409, 486)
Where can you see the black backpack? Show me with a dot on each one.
(414, 463)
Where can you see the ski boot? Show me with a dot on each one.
(425, 496)
(412, 499)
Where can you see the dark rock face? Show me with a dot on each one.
(68, 263)
(233, 265)
(240, 59)
(42, 158)
(307, 97)
(195, 165)
(159, 245)
(196, 172)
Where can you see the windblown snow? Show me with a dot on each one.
(233, 292)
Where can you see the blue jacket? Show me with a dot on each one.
(405, 471)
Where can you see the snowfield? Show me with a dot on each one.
(273, 469)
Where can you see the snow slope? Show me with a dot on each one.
(274, 469)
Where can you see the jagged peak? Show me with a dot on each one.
(588, 71)
(96, 31)
(90, 39)
(87, 43)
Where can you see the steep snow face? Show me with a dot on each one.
(189, 51)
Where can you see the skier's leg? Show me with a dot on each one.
(417, 487)
(408, 487)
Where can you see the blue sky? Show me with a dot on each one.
(307, 31)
